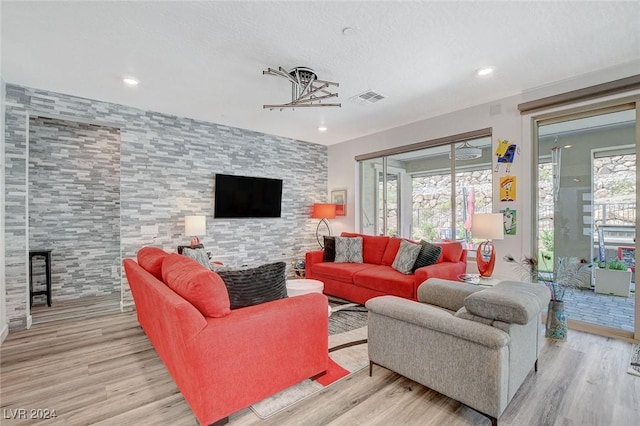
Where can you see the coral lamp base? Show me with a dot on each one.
(486, 258)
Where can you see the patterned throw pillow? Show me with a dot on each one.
(406, 257)
(197, 254)
(329, 254)
(429, 254)
(348, 250)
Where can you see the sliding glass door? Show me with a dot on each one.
(586, 204)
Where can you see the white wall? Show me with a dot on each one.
(4, 326)
(505, 124)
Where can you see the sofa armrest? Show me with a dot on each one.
(444, 270)
(430, 317)
(445, 293)
(230, 364)
(311, 258)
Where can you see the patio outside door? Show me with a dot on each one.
(587, 178)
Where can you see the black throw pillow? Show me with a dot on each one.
(329, 249)
(429, 254)
(252, 286)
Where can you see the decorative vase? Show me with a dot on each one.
(556, 321)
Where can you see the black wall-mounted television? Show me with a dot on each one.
(244, 196)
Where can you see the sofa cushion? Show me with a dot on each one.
(348, 250)
(510, 301)
(151, 258)
(329, 252)
(339, 271)
(429, 255)
(406, 257)
(253, 286)
(390, 252)
(451, 251)
(373, 247)
(386, 280)
(198, 254)
(201, 287)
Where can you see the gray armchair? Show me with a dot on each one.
(472, 344)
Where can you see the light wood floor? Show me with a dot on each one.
(103, 370)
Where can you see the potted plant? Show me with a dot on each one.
(569, 272)
(613, 277)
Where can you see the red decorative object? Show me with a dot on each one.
(195, 241)
(486, 258)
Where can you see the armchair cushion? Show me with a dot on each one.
(445, 293)
(508, 301)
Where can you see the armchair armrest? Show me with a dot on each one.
(436, 319)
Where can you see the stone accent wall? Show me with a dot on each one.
(167, 169)
(74, 205)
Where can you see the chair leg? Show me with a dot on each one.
(535, 366)
(370, 368)
(494, 421)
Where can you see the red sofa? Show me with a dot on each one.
(223, 364)
(359, 282)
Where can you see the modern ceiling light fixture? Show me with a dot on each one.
(467, 152)
(306, 89)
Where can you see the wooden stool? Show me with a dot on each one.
(47, 265)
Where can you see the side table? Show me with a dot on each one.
(476, 279)
(47, 265)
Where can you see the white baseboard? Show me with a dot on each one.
(4, 333)
(127, 307)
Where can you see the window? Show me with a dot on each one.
(429, 192)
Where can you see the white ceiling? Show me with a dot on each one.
(204, 60)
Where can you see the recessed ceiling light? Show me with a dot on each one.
(130, 81)
(483, 72)
(322, 129)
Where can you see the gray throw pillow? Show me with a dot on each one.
(406, 257)
(429, 254)
(348, 250)
(252, 286)
(198, 254)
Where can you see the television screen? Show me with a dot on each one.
(243, 196)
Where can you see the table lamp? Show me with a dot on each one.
(323, 212)
(488, 226)
(195, 226)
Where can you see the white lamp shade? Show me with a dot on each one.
(195, 225)
(487, 226)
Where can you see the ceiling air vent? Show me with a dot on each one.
(367, 98)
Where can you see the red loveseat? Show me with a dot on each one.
(359, 282)
(223, 364)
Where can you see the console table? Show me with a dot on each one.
(47, 265)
